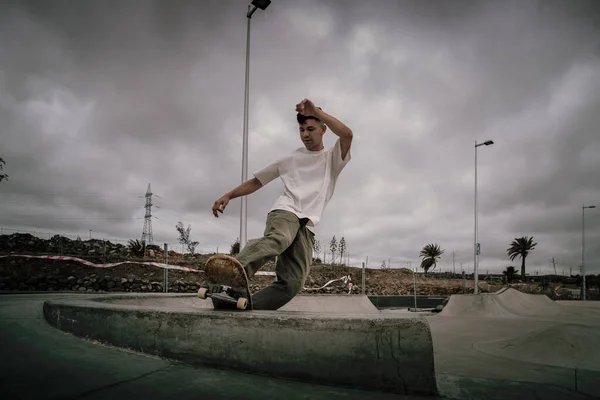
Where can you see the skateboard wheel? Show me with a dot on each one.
(202, 293)
(242, 303)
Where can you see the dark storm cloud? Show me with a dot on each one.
(102, 98)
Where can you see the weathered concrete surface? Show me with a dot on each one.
(374, 351)
(521, 343)
(326, 303)
(40, 362)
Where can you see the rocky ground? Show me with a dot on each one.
(31, 274)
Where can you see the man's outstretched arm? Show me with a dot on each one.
(246, 188)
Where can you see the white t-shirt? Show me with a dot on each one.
(309, 179)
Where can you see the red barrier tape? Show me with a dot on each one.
(345, 279)
(91, 264)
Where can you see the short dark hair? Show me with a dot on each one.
(303, 118)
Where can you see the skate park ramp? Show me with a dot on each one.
(511, 303)
(515, 338)
(323, 339)
(569, 338)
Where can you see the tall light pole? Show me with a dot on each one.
(475, 231)
(262, 4)
(583, 249)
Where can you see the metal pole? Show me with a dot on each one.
(453, 266)
(583, 252)
(415, 284)
(583, 286)
(475, 269)
(363, 278)
(244, 204)
(166, 275)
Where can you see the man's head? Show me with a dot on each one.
(311, 130)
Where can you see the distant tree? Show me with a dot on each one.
(342, 249)
(317, 247)
(2, 176)
(333, 248)
(235, 247)
(383, 265)
(520, 247)
(430, 255)
(510, 273)
(184, 237)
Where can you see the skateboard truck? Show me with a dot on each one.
(225, 294)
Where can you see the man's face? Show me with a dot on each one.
(311, 134)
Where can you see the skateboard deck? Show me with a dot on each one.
(226, 283)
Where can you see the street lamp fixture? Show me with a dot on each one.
(262, 4)
(583, 285)
(486, 143)
(476, 248)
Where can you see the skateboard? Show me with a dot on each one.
(226, 283)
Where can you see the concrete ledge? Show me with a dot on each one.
(384, 352)
(319, 303)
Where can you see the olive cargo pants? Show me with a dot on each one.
(287, 237)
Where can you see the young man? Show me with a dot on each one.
(309, 175)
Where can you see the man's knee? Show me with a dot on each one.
(279, 240)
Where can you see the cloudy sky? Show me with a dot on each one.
(100, 98)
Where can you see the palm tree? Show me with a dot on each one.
(520, 247)
(137, 247)
(430, 255)
(2, 176)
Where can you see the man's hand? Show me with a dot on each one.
(220, 205)
(306, 108)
